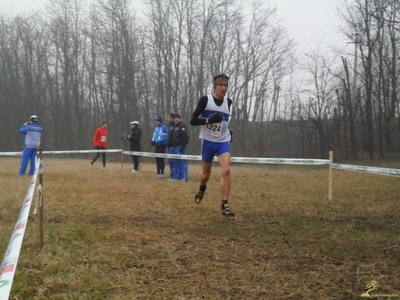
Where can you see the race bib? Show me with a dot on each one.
(103, 138)
(214, 129)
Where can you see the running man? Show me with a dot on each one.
(212, 113)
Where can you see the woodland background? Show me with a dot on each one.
(76, 65)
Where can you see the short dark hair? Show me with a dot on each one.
(220, 76)
(103, 123)
(171, 115)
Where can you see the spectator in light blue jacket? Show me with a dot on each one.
(32, 132)
(159, 140)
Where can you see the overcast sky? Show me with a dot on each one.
(309, 22)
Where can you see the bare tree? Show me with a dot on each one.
(115, 68)
(349, 117)
(374, 24)
(65, 25)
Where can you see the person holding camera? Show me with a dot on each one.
(33, 133)
(134, 139)
(212, 114)
(159, 140)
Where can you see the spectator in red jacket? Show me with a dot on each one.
(100, 143)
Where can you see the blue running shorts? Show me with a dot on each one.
(210, 149)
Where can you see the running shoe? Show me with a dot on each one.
(200, 194)
(226, 211)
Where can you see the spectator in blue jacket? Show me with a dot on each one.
(159, 140)
(32, 132)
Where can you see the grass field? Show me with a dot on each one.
(111, 234)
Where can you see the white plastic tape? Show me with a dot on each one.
(10, 154)
(84, 151)
(65, 152)
(9, 264)
(254, 160)
(365, 169)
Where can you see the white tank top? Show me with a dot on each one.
(217, 132)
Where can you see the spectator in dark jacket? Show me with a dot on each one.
(134, 139)
(170, 148)
(179, 141)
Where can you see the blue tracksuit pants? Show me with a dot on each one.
(28, 154)
(171, 162)
(180, 165)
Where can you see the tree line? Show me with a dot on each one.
(76, 65)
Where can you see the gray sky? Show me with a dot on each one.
(309, 22)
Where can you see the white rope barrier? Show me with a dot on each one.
(40, 190)
(84, 151)
(65, 152)
(163, 155)
(11, 153)
(285, 161)
(256, 160)
(9, 264)
(366, 169)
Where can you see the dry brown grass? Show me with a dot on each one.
(111, 234)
